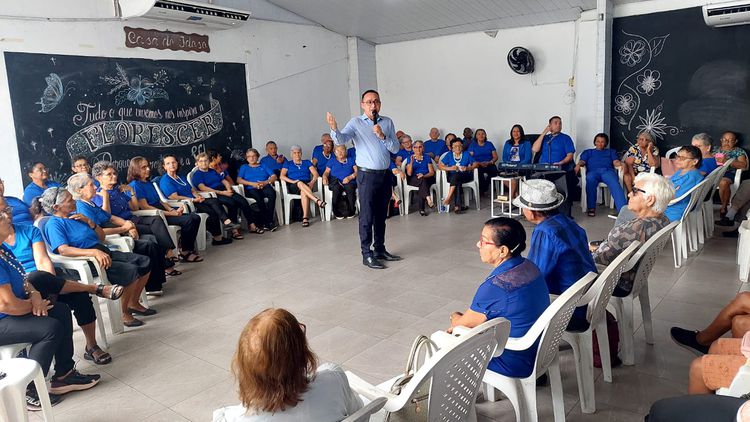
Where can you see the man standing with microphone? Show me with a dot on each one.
(374, 138)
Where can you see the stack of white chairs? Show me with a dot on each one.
(708, 203)
(681, 233)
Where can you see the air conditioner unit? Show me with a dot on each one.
(187, 12)
(727, 14)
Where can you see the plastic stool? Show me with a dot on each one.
(19, 372)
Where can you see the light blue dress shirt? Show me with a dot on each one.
(372, 152)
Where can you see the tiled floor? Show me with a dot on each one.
(176, 367)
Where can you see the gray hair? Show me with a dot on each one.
(100, 167)
(704, 138)
(77, 182)
(406, 135)
(295, 148)
(418, 141)
(339, 146)
(646, 134)
(659, 187)
(53, 196)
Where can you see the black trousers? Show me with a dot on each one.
(337, 189)
(50, 285)
(189, 224)
(154, 225)
(267, 210)
(216, 214)
(50, 336)
(485, 175)
(152, 250)
(235, 204)
(695, 408)
(374, 194)
(458, 178)
(424, 188)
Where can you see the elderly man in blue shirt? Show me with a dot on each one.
(374, 137)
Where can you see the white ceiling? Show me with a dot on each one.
(386, 21)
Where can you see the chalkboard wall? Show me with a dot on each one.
(116, 108)
(674, 76)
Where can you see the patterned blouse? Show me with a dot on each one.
(641, 160)
(621, 236)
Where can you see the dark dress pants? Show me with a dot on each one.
(337, 190)
(154, 225)
(695, 408)
(235, 204)
(189, 225)
(216, 214)
(485, 176)
(374, 194)
(266, 209)
(424, 188)
(151, 249)
(50, 285)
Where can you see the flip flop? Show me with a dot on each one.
(237, 236)
(305, 222)
(172, 273)
(191, 257)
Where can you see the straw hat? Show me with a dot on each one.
(538, 195)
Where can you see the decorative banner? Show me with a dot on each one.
(165, 40)
(116, 108)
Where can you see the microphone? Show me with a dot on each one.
(374, 117)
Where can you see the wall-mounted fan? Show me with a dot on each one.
(521, 60)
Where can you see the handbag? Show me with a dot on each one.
(415, 409)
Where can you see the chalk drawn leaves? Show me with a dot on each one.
(139, 90)
(53, 93)
(648, 82)
(621, 120)
(657, 44)
(624, 103)
(631, 53)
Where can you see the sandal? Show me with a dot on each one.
(172, 273)
(114, 293)
(102, 359)
(321, 203)
(591, 213)
(237, 236)
(191, 257)
(258, 230)
(305, 222)
(174, 259)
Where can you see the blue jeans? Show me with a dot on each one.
(609, 177)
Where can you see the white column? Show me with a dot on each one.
(604, 10)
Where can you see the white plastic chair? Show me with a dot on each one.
(607, 197)
(408, 189)
(695, 219)
(288, 197)
(597, 298)
(471, 187)
(200, 239)
(680, 235)
(277, 205)
(455, 370)
(10, 351)
(328, 198)
(642, 262)
(174, 231)
(743, 250)
(708, 203)
(364, 413)
(18, 374)
(550, 326)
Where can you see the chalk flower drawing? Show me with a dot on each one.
(648, 82)
(654, 124)
(624, 103)
(53, 93)
(137, 89)
(632, 52)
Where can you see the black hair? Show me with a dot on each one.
(79, 157)
(695, 153)
(459, 140)
(212, 154)
(30, 167)
(553, 118)
(508, 232)
(270, 142)
(520, 129)
(602, 135)
(370, 91)
(485, 134)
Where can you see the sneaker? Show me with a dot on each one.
(351, 216)
(340, 217)
(33, 404)
(74, 381)
(687, 339)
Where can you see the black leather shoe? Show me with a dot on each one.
(733, 234)
(724, 222)
(385, 256)
(372, 262)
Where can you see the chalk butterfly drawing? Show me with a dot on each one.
(137, 89)
(638, 53)
(53, 93)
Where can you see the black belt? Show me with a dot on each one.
(366, 170)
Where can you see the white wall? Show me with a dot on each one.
(295, 72)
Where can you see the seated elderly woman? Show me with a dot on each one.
(258, 181)
(648, 201)
(515, 290)
(485, 157)
(301, 177)
(20, 209)
(81, 186)
(139, 172)
(39, 176)
(174, 186)
(26, 243)
(600, 163)
(459, 168)
(121, 201)
(278, 379)
(206, 179)
(421, 173)
(26, 317)
(341, 176)
(640, 158)
(75, 235)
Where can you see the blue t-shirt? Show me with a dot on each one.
(683, 182)
(520, 153)
(554, 149)
(211, 178)
(298, 172)
(94, 213)
(180, 186)
(341, 170)
(147, 191)
(597, 159)
(404, 154)
(20, 210)
(482, 153)
(436, 148)
(256, 174)
(351, 153)
(271, 163)
(119, 202)
(26, 236)
(707, 166)
(65, 231)
(9, 275)
(34, 191)
(450, 161)
(419, 167)
(322, 159)
(515, 290)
